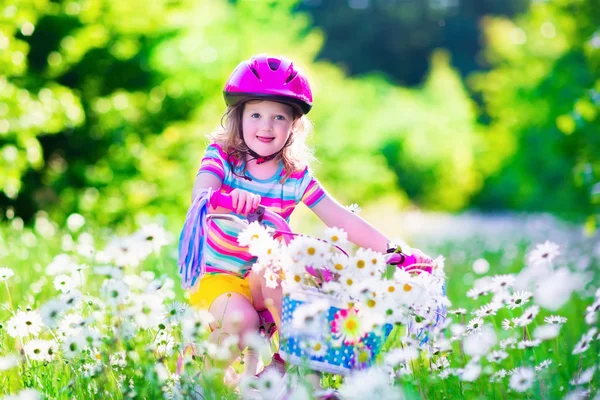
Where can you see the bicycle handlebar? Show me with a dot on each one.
(401, 260)
(223, 200)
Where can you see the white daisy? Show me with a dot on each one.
(522, 379)
(528, 316)
(518, 299)
(164, 343)
(543, 254)
(502, 282)
(40, 350)
(114, 291)
(475, 324)
(64, 283)
(126, 251)
(555, 319)
(61, 264)
(51, 311)
(24, 323)
(543, 365)
(175, 311)
(508, 343)
(72, 346)
(498, 375)
(315, 347)
(118, 359)
(584, 377)
(584, 343)
(480, 342)
(488, 310)
(25, 394)
(470, 372)
(546, 331)
(508, 324)
(477, 292)
(8, 362)
(353, 208)
(309, 251)
(497, 356)
(153, 236)
(195, 324)
(398, 356)
(147, 310)
(71, 325)
(5, 273)
(528, 344)
(109, 272)
(591, 318)
(441, 363)
(254, 231)
(336, 236)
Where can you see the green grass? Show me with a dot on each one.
(90, 374)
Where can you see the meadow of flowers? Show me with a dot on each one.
(86, 313)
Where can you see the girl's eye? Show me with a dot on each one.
(255, 115)
(280, 118)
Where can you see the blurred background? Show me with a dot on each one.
(437, 105)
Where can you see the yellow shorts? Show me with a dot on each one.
(214, 285)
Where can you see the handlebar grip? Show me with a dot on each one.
(223, 200)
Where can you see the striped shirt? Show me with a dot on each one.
(222, 251)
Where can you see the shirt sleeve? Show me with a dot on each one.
(213, 162)
(312, 192)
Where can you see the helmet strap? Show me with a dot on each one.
(263, 159)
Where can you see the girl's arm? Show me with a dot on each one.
(204, 181)
(243, 201)
(360, 232)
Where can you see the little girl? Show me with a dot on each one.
(259, 158)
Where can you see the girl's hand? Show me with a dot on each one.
(243, 201)
(421, 258)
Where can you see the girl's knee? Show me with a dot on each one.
(234, 314)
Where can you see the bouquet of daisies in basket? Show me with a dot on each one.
(335, 299)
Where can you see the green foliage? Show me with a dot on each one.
(542, 101)
(107, 105)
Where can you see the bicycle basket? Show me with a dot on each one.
(320, 349)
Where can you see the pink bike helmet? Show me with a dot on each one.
(269, 78)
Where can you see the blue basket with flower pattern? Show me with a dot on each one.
(332, 341)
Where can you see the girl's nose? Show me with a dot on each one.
(268, 125)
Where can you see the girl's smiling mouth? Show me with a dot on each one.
(265, 139)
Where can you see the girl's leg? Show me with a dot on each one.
(260, 295)
(234, 315)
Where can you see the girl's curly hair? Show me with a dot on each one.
(295, 155)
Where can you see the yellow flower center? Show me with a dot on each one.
(311, 251)
(374, 261)
(297, 278)
(350, 324)
(363, 357)
(255, 236)
(371, 303)
(360, 264)
(338, 267)
(391, 289)
(349, 282)
(334, 238)
(407, 287)
(317, 347)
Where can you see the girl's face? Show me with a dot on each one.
(266, 126)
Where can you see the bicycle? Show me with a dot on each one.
(342, 360)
